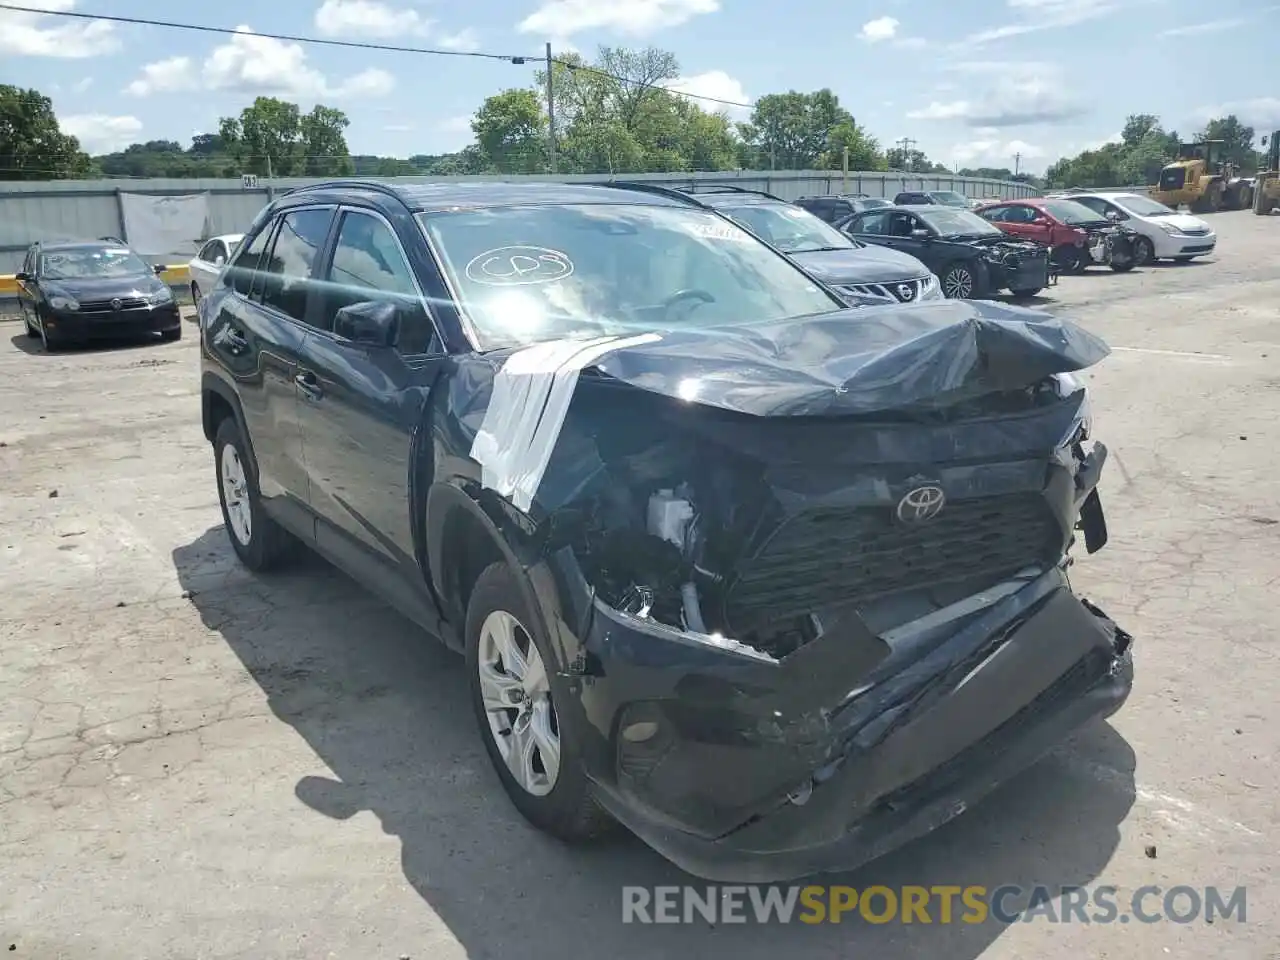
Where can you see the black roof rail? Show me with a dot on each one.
(376, 186)
(730, 188)
(657, 189)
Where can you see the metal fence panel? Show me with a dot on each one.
(87, 209)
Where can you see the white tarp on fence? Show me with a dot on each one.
(155, 225)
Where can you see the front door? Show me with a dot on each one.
(362, 404)
(257, 335)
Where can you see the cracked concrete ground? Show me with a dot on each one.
(197, 762)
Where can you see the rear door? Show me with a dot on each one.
(257, 335)
(362, 405)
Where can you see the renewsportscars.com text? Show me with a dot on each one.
(932, 905)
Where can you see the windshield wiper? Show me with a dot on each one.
(816, 249)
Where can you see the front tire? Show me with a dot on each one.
(1144, 251)
(1025, 294)
(195, 294)
(259, 542)
(1124, 266)
(515, 686)
(170, 335)
(960, 282)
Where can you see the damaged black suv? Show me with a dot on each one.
(775, 582)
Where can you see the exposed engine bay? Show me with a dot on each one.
(763, 531)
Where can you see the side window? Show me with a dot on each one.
(286, 273)
(1119, 214)
(245, 268)
(368, 265)
(1093, 203)
(207, 251)
(1020, 214)
(900, 224)
(995, 214)
(871, 223)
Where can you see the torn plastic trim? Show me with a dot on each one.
(530, 399)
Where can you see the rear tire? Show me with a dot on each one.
(259, 542)
(1124, 266)
(170, 335)
(561, 803)
(1025, 294)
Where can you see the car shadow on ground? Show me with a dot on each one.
(34, 347)
(385, 708)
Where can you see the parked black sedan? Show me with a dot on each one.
(973, 258)
(81, 291)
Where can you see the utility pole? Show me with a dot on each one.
(551, 112)
(905, 144)
(1017, 164)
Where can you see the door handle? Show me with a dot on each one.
(308, 384)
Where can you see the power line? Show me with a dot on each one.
(517, 59)
(228, 31)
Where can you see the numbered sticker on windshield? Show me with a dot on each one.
(718, 231)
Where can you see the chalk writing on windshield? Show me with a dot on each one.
(518, 266)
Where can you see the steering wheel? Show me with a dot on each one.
(695, 295)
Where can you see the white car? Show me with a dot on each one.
(206, 266)
(1165, 234)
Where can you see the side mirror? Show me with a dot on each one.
(1041, 221)
(371, 322)
(23, 277)
(1114, 215)
(919, 233)
(159, 268)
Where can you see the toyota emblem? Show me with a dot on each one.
(906, 291)
(116, 304)
(921, 504)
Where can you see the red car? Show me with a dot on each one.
(1076, 235)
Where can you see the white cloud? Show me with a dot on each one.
(453, 134)
(1021, 94)
(37, 35)
(1209, 26)
(717, 84)
(881, 28)
(80, 86)
(1038, 15)
(464, 40)
(563, 18)
(1261, 113)
(1099, 144)
(261, 66)
(100, 132)
(368, 18)
(995, 153)
(173, 74)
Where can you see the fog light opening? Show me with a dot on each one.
(640, 732)
(800, 796)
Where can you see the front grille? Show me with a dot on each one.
(1196, 232)
(905, 291)
(1173, 179)
(107, 306)
(844, 556)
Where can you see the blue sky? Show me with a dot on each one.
(972, 81)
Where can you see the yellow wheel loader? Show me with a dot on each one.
(1202, 179)
(1266, 188)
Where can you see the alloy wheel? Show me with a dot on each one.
(1143, 251)
(517, 703)
(958, 283)
(235, 494)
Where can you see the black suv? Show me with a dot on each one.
(831, 209)
(674, 501)
(942, 198)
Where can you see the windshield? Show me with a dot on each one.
(950, 198)
(790, 229)
(957, 223)
(526, 274)
(1068, 211)
(91, 263)
(1142, 206)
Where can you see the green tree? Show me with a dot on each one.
(792, 131)
(864, 150)
(510, 130)
(324, 144)
(32, 145)
(1238, 145)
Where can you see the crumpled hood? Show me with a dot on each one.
(870, 264)
(862, 361)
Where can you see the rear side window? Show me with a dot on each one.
(874, 224)
(286, 273)
(245, 268)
